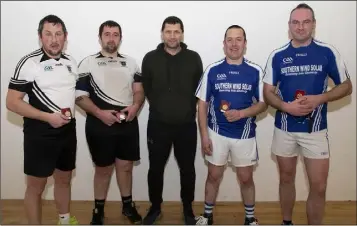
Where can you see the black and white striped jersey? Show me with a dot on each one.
(108, 81)
(49, 83)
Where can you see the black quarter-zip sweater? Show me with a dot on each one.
(170, 83)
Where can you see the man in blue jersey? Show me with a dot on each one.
(226, 116)
(301, 69)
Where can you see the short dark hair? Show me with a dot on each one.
(53, 19)
(304, 6)
(109, 23)
(172, 20)
(237, 27)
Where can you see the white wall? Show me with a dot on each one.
(205, 23)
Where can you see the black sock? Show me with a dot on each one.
(99, 205)
(126, 201)
(287, 222)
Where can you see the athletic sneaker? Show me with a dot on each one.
(97, 218)
(204, 220)
(251, 221)
(72, 221)
(132, 214)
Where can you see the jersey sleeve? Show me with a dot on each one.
(271, 73)
(23, 76)
(259, 90)
(203, 91)
(336, 67)
(137, 73)
(83, 82)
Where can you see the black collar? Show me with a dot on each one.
(101, 55)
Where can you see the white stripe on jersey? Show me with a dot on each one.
(268, 70)
(284, 116)
(213, 115)
(18, 82)
(246, 130)
(341, 66)
(23, 60)
(201, 91)
(318, 116)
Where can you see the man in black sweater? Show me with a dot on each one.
(170, 75)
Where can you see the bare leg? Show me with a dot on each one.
(33, 196)
(62, 190)
(214, 177)
(287, 192)
(124, 174)
(317, 171)
(102, 177)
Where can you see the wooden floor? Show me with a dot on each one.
(337, 213)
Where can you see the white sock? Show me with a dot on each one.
(64, 218)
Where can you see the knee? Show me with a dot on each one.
(125, 166)
(62, 178)
(287, 177)
(245, 179)
(36, 186)
(318, 188)
(104, 172)
(214, 177)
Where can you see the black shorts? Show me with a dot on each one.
(119, 141)
(45, 153)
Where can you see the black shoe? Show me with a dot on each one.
(152, 216)
(251, 221)
(284, 223)
(204, 220)
(132, 214)
(189, 217)
(97, 218)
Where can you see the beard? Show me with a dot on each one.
(169, 45)
(53, 53)
(111, 48)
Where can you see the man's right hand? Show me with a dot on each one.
(57, 120)
(206, 146)
(108, 117)
(297, 108)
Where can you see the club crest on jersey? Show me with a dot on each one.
(69, 68)
(123, 63)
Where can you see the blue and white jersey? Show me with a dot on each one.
(238, 85)
(305, 70)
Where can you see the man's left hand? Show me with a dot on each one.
(131, 112)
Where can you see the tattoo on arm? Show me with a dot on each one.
(79, 98)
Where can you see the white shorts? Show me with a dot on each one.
(240, 152)
(313, 145)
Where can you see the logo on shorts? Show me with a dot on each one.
(324, 153)
(150, 141)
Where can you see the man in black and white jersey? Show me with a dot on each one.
(48, 77)
(109, 89)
